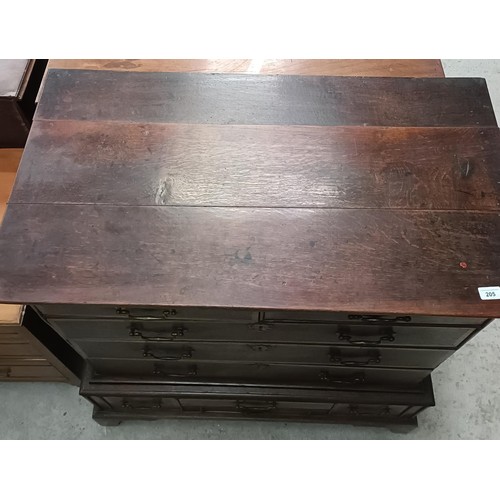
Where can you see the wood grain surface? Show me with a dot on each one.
(265, 100)
(417, 68)
(356, 260)
(261, 166)
(374, 195)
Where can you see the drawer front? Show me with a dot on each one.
(253, 374)
(20, 372)
(16, 350)
(165, 313)
(8, 336)
(384, 319)
(268, 353)
(11, 333)
(253, 408)
(330, 334)
(142, 403)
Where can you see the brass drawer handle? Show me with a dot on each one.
(344, 334)
(269, 406)
(354, 410)
(372, 318)
(128, 406)
(164, 315)
(176, 332)
(193, 371)
(5, 372)
(336, 357)
(147, 353)
(355, 379)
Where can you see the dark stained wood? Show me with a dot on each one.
(265, 352)
(13, 124)
(91, 385)
(134, 398)
(54, 349)
(19, 83)
(417, 68)
(132, 313)
(264, 332)
(171, 315)
(272, 100)
(349, 219)
(261, 166)
(380, 261)
(260, 374)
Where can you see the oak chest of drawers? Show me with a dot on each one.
(304, 248)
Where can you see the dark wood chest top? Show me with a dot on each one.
(375, 195)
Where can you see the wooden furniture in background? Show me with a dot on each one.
(29, 349)
(24, 355)
(19, 83)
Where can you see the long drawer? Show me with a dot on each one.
(331, 334)
(254, 373)
(228, 407)
(18, 349)
(19, 370)
(266, 353)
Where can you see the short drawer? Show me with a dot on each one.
(165, 313)
(267, 353)
(331, 334)
(17, 350)
(253, 373)
(20, 370)
(384, 319)
(10, 335)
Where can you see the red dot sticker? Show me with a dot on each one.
(463, 265)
